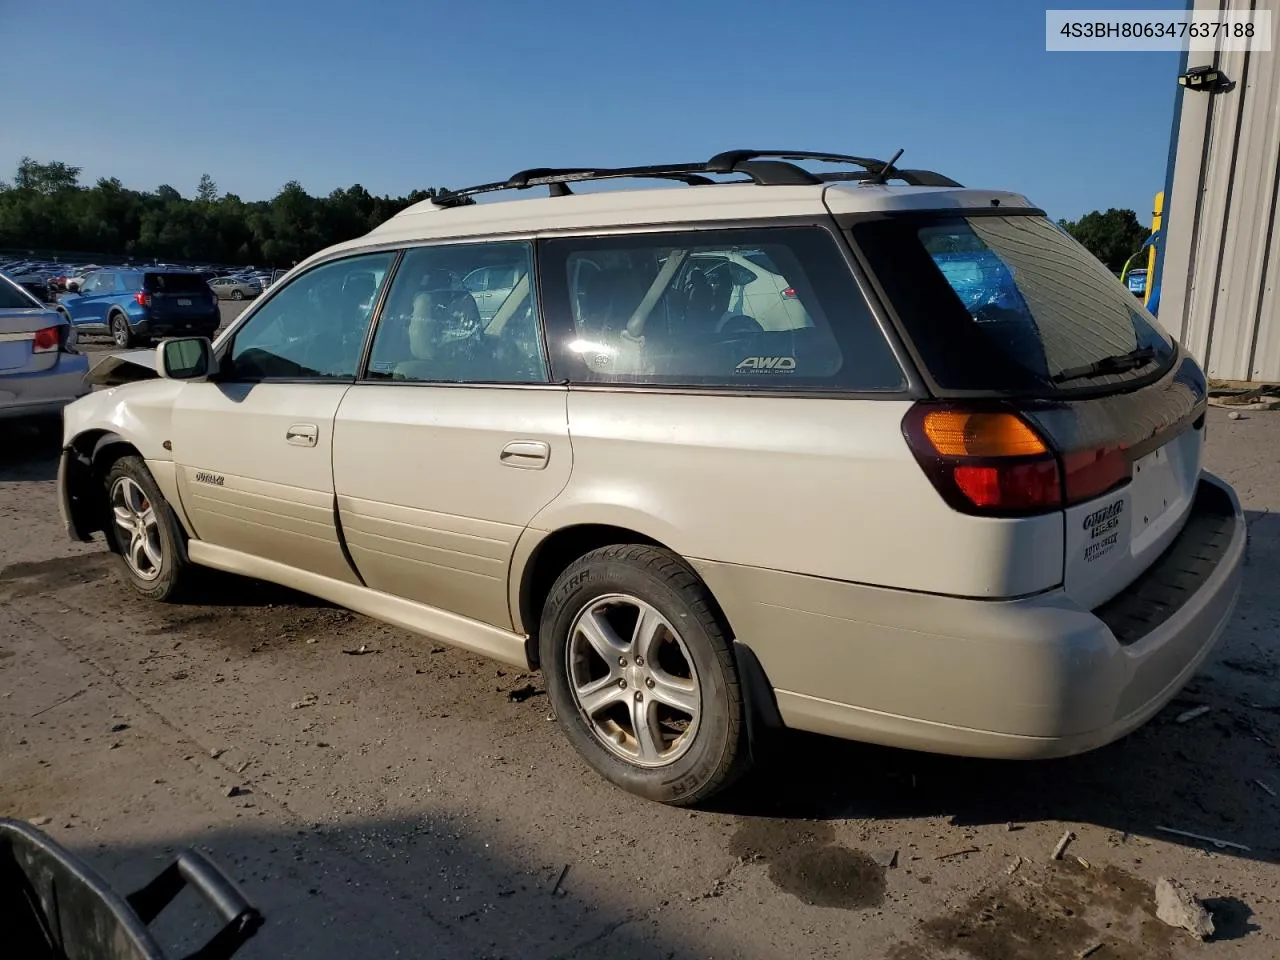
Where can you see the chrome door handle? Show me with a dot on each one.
(302, 434)
(527, 454)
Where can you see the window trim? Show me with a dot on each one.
(535, 292)
(226, 341)
(913, 387)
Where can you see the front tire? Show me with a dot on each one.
(120, 331)
(641, 673)
(237, 295)
(144, 532)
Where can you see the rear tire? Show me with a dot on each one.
(641, 673)
(120, 331)
(237, 295)
(145, 534)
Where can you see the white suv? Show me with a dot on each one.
(929, 477)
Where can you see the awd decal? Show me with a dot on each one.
(767, 365)
(212, 479)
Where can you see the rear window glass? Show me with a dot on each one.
(702, 309)
(1010, 303)
(13, 297)
(176, 283)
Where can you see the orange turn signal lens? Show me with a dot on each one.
(954, 433)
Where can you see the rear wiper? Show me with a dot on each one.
(1116, 363)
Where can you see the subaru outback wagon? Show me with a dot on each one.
(860, 452)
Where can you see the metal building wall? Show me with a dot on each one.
(1221, 265)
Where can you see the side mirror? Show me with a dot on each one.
(185, 358)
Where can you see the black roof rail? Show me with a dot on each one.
(914, 178)
(558, 180)
(725, 162)
(764, 167)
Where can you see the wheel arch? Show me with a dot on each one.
(89, 457)
(545, 555)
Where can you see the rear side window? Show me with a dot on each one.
(701, 309)
(176, 283)
(1010, 303)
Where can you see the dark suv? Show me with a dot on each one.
(137, 305)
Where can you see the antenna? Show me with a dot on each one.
(884, 171)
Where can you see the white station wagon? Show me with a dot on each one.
(860, 452)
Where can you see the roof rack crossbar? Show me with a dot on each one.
(765, 167)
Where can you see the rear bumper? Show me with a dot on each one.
(183, 327)
(46, 392)
(1036, 677)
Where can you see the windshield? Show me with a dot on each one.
(1010, 303)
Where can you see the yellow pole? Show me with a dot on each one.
(1157, 216)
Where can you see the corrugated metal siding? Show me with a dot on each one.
(1222, 250)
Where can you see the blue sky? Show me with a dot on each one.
(398, 95)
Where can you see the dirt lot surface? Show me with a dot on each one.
(415, 801)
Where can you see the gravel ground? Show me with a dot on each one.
(416, 801)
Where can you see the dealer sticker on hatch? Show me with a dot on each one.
(1102, 530)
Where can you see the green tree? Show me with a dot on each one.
(45, 208)
(1113, 237)
(207, 190)
(46, 178)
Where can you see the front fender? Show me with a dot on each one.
(141, 414)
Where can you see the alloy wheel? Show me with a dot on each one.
(135, 516)
(632, 678)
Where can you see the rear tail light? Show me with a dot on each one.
(994, 462)
(46, 340)
(142, 298)
(789, 293)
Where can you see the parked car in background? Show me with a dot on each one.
(135, 306)
(234, 288)
(40, 372)
(75, 281)
(37, 285)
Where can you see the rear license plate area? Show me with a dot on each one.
(14, 353)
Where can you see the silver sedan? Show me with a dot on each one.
(233, 288)
(40, 370)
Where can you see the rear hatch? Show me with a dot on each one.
(179, 296)
(1005, 312)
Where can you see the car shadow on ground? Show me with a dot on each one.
(414, 886)
(29, 451)
(1214, 773)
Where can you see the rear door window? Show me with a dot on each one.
(695, 309)
(433, 328)
(1010, 303)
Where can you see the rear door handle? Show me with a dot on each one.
(526, 454)
(302, 434)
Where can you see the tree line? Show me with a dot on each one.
(47, 208)
(1112, 236)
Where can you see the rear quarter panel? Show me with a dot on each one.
(825, 487)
